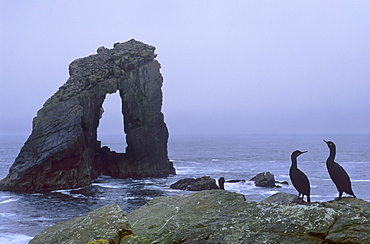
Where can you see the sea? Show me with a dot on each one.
(234, 157)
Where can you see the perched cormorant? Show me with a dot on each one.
(221, 182)
(338, 175)
(298, 178)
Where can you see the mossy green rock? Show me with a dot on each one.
(218, 216)
(353, 222)
(107, 224)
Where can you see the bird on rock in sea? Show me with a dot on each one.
(298, 178)
(337, 174)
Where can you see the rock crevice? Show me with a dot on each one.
(62, 150)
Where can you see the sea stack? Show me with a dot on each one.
(62, 150)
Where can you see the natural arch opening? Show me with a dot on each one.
(111, 130)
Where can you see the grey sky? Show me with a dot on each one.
(228, 66)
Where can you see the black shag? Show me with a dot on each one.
(221, 183)
(298, 178)
(337, 174)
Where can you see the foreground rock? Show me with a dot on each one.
(225, 217)
(103, 225)
(62, 150)
(216, 216)
(198, 184)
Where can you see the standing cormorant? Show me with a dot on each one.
(337, 174)
(221, 183)
(298, 178)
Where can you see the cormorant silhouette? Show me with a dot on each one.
(298, 178)
(221, 183)
(338, 175)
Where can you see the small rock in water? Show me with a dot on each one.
(264, 179)
(183, 184)
(199, 184)
(234, 181)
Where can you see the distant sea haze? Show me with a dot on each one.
(233, 157)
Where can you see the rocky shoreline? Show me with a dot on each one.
(217, 216)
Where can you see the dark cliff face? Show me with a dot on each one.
(62, 150)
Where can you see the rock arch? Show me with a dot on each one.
(62, 150)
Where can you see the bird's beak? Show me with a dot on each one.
(325, 141)
(304, 152)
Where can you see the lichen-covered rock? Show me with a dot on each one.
(103, 225)
(264, 179)
(62, 150)
(353, 223)
(100, 241)
(281, 198)
(225, 217)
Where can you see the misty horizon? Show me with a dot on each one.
(229, 68)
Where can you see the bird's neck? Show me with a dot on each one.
(331, 155)
(294, 162)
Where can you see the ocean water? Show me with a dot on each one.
(235, 157)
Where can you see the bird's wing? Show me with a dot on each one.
(301, 182)
(339, 175)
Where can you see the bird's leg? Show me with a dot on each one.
(299, 199)
(340, 196)
(308, 198)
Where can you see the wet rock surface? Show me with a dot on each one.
(62, 150)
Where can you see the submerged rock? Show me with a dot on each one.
(62, 150)
(225, 217)
(103, 225)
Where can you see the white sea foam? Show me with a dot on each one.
(240, 187)
(270, 192)
(107, 185)
(13, 238)
(185, 170)
(9, 200)
(66, 191)
(78, 196)
(42, 218)
(8, 215)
